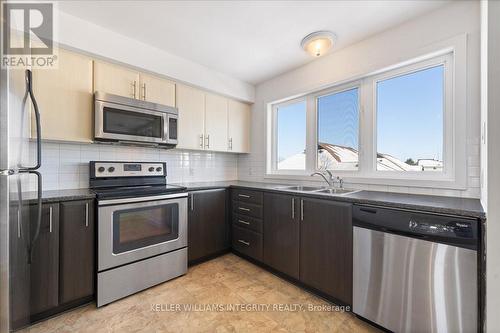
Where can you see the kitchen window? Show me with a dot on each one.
(410, 110)
(399, 126)
(290, 139)
(338, 130)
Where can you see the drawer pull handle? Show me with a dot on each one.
(243, 242)
(244, 222)
(50, 219)
(244, 209)
(244, 196)
(87, 214)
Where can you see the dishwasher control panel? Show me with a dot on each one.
(434, 227)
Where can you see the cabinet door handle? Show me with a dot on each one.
(134, 86)
(301, 210)
(192, 202)
(243, 242)
(50, 219)
(208, 141)
(244, 222)
(244, 196)
(87, 214)
(244, 209)
(19, 223)
(230, 143)
(144, 92)
(293, 208)
(201, 140)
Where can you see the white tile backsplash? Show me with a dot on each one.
(66, 166)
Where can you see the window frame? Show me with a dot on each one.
(452, 53)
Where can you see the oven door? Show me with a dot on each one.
(127, 123)
(131, 231)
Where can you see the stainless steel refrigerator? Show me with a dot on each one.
(19, 221)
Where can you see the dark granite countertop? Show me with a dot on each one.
(430, 203)
(59, 195)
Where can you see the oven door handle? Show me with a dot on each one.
(142, 199)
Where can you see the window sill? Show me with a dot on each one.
(451, 184)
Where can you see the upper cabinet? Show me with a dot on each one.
(122, 81)
(116, 80)
(216, 123)
(64, 96)
(238, 130)
(212, 122)
(156, 90)
(191, 124)
(207, 121)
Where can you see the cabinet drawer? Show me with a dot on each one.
(254, 197)
(247, 242)
(247, 209)
(247, 222)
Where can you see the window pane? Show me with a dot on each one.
(410, 121)
(291, 136)
(338, 126)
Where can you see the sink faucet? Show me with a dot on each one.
(330, 180)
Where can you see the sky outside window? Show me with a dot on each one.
(291, 136)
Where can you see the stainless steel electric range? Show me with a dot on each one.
(142, 227)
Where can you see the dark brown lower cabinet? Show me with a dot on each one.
(44, 270)
(208, 229)
(281, 233)
(60, 271)
(19, 267)
(326, 247)
(76, 273)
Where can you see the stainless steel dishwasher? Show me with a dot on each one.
(415, 272)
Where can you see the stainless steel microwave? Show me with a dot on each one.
(123, 119)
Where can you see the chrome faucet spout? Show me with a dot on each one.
(328, 181)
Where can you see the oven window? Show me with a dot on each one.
(139, 227)
(132, 123)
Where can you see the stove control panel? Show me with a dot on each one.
(128, 169)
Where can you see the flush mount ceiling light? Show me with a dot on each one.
(318, 43)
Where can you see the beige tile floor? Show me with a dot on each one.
(225, 280)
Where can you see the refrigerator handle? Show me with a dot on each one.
(29, 91)
(32, 243)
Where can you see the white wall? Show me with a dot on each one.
(385, 49)
(492, 176)
(66, 165)
(88, 37)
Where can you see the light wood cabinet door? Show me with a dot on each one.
(238, 130)
(215, 123)
(191, 124)
(157, 90)
(64, 97)
(117, 80)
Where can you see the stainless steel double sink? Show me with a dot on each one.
(317, 189)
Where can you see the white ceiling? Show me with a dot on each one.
(247, 40)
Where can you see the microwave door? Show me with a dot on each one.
(125, 123)
(171, 129)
